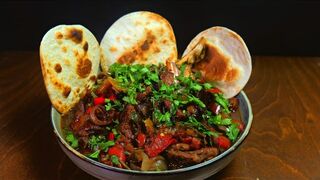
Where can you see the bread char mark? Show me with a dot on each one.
(75, 35)
(216, 66)
(84, 67)
(58, 68)
(139, 51)
(66, 91)
(85, 46)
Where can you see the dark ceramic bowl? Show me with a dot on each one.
(199, 171)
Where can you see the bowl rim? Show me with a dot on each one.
(181, 170)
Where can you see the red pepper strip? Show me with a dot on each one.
(113, 97)
(195, 143)
(99, 101)
(118, 151)
(158, 144)
(240, 124)
(222, 142)
(141, 139)
(88, 110)
(214, 90)
(187, 140)
(111, 136)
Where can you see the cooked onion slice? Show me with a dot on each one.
(98, 116)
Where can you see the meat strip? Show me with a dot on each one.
(196, 156)
(167, 77)
(125, 125)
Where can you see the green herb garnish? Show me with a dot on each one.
(115, 160)
(72, 140)
(233, 131)
(95, 154)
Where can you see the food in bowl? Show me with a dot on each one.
(143, 117)
(147, 110)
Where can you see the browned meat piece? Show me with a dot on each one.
(194, 157)
(167, 104)
(167, 77)
(112, 114)
(222, 128)
(88, 129)
(215, 108)
(104, 87)
(148, 90)
(206, 97)
(77, 124)
(179, 115)
(125, 125)
(234, 104)
(181, 147)
(192, 109)
(184, 132)
(144, 109)
(125, 128)
(143, 95)
(83, 141)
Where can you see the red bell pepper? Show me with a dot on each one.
(110, 136)
(113, 97)
(222, 142)
(141, 139)
(158, 144)
(214, 90)
(118, 151)
(88, 110)
(99, 101)
(195, 143)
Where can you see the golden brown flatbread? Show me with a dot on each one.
(69, 56)
(139, 37)
(226, 60)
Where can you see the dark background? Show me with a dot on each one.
(268, 27)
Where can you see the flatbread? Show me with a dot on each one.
(69, 56)
(227, 61)
(140, 37)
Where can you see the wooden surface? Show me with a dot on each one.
(283, 142)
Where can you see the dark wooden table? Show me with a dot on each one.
(284, 142)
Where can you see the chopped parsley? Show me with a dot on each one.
(99, 143)
(94, 155)
(233, 131)
(72, 140)
(222, 101)
(136, 78)
(115, 160)
(163, 118)
(217, 120)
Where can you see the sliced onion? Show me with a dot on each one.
(93, 116)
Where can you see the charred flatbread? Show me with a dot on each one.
(222, 57)
(140, 37)
(69, 56)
